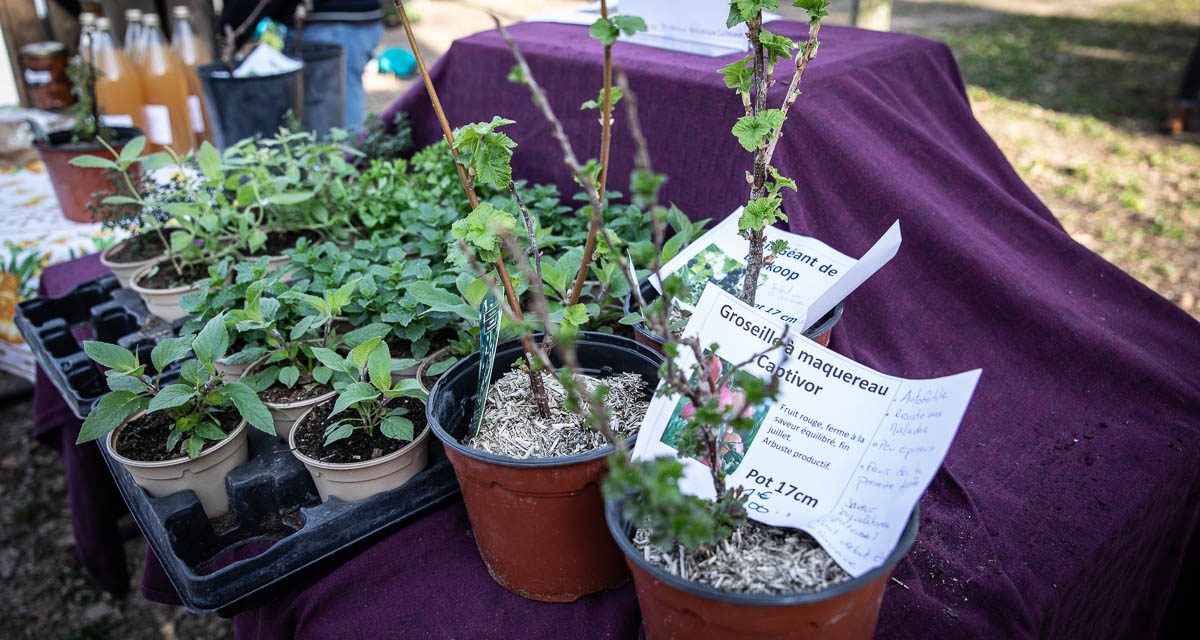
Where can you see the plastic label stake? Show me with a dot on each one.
(489, 338)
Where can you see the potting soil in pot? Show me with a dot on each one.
(137, 249)
(359, 447)
(145, 439)
(755, 559)
(166, 277)
(512, 426)
(279, 394)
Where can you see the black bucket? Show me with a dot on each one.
(324, 87)
(246, 107)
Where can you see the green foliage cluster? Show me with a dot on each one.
(195, 402)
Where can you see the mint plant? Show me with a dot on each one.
(759, 130)
(366, 401)
(194, 402)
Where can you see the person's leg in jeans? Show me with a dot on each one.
(359, 39)
(1189, 88)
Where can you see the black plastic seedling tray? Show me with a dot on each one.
(277, 532)
(101, 310)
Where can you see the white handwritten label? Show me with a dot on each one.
(158, 123)
(117, 120)
(37, 77)
(196, 114)
(844, 453)
(798, 286)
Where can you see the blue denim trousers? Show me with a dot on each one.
(359, 39)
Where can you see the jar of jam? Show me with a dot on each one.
(44, 71)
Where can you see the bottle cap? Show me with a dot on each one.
(133, 15)
(150, 20)
(181, 11)
(87, 19)
(103, 23)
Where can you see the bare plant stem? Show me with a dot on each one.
(803, 57)
(535, 379)
(569, 157)
(756, 237)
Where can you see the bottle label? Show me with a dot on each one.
(38, 77)
(116, 120)
(158, 124)
(196, 113)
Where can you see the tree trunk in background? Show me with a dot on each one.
(872, 14)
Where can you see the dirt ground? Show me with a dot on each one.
(1071, 90)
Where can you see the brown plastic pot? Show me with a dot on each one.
(675, 608)
(538, 522)
(821, 332)
(74, 186)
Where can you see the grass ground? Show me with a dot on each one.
(1070, 89)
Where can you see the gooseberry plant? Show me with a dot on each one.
(195, 402)
(759, 130)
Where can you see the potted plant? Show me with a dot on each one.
(76, 174)
(531, 490)
(365, 441)
(185, 435)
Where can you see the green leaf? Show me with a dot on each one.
(407, 388)
(209, 160)
(194, 445)
(131, 150)
(739, 75)
(439, 368)
(397, 428)
(288, 376)
(760, 213)
(437, 299)
(338, 431)
(118, 381)
(631, 319)
(752, 131)
(93, 162)
(481, 230)
(248, 355)
(331, 359)
(575, 316)
(379, 367)
(749, 9)
(171, 396)
(358, 355)
(615, 93)
(170, 350)
(486, 152)
(776, 47)
(353, 393)
(607, 30)
(120, 200)
(209, 430)
(817, 9)
(212, 342)
(629, 25)
(366, 332)
(290, 198)
(250, 407)
(110, 355)
(108, 414)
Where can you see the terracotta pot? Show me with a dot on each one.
(821, 332)
(205, 474)
(163, 303)
(673, 607)
(538, 522)
(426, 362)
(353, 482)
(124, 271)
(74, 186)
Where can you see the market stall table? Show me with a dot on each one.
(1070, 498)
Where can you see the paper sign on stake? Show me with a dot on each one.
(799, 286)
(844, 452)
(489, 339)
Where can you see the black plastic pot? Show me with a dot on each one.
(820, 332)
(673, 607)
(245, 107)
(538, 522)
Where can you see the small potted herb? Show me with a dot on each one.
(185, 435)
(370, 439)
(75, 173)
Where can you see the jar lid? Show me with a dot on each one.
(43, 49)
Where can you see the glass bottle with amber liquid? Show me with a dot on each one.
(118, 88)
(164, 81)
(193, 52)
(133, 35)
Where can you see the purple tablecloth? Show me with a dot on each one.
(1071, 495)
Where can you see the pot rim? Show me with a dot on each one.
(133, 282)
(610, 341)
(821, 326)
(350, 466)
(159, 464)
(424, 365)
(124, 136)
(104, 259)
(252, 368)
(616, 526)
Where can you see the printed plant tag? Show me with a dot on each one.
(489, 338)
